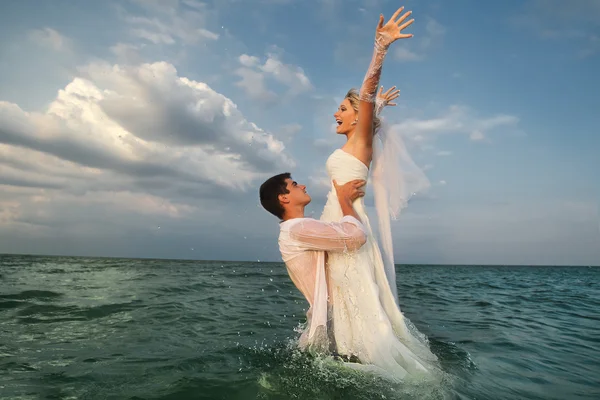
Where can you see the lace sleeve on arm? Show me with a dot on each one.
(329, 236)
(368, 89)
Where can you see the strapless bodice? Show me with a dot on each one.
(344, 167)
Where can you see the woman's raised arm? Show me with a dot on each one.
(385, 35)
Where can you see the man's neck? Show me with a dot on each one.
(292, 213)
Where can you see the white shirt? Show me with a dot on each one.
(303, 243)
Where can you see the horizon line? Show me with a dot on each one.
(281, 262)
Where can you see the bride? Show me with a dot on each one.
(366, 321)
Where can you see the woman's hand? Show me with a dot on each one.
(384, 37)
(385, 99)
(387, 34)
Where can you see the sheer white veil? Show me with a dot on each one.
(395, 179)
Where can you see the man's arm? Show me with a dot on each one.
(347, 209)
(312, 234)
(346, 195)
(348, 234)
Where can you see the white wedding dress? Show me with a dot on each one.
(366, 321)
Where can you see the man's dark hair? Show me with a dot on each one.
(269, 193)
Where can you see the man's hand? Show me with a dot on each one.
(350, 191)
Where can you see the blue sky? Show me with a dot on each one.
(144, 128)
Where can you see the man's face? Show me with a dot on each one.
(297, 193)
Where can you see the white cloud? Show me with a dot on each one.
(444, 153)
(194, 4)
(442, 182)
(549, 20)
(49, 37)
(592, 47)
(254, 75)
(404, 54)
(127, 53)
(253, 83)
(583, 11)
(249, 61)
(476, 135)
(455, 120)
(320, 182)
(287, 74)
(172, 22)
(434, 31)
(415, 49)
(326, 145)
(542, 231)
(288, 131)
(128, 141)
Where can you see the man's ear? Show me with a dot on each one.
(283, 198)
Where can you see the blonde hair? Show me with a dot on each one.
(354, 99)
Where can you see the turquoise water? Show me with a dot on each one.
(85, 328)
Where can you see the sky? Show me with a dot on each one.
(143, 128)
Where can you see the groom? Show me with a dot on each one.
(304, 242)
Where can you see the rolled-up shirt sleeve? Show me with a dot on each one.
(348, 234)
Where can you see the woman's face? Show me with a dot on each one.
(345, 117)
